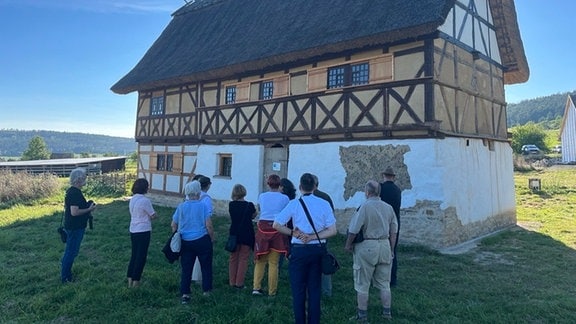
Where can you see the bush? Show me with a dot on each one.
(107, 185)
(22, 187)
(528, 134)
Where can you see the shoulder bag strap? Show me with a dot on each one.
(310, 220)
(179, 222)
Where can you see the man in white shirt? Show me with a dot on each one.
(306, 251)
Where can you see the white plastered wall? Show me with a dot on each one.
(460, 173)
(246, 169)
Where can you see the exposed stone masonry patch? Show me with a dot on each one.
(427, 224)
(363, 163)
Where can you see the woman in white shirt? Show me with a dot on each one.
(270, 244)
(141, 215)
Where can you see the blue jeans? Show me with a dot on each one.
(72, 248)
(305, 275)
(190, 250)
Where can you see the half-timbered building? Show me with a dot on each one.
(236, 90)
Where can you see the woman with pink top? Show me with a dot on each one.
(141, 215)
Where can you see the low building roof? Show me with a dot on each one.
(60, 161)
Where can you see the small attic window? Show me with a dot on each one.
(266, 90)
(230, 95)
(157, 106)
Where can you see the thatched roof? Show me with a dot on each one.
(215, 39)
(511, 47)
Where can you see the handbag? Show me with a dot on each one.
(231, 243)
(329, 264)
(61, 231)
(176, 242)
(170, 255)
(172, 247)
(176, 238)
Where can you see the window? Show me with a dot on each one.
(169, 162)
(336, 77)
(266, 90)
(157, 106)
(225, 167)
(348, 75)
(161, 162)
(230, 94)
(164, 162)
(360, 74)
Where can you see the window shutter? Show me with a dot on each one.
(153, 158)
(281, 86)
(177, 163)
(243, 92)
(381, 69)
(317, 79)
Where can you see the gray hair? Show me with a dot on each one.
(77, 176)
(372, 188)
(192, 188)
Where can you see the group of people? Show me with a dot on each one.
(287, 227)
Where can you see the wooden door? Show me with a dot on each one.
(275, 162)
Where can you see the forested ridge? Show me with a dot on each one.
(14, 142)
(538, 110)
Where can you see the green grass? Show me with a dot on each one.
(522, 275)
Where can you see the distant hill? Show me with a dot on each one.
(14, 142)
(537, 110)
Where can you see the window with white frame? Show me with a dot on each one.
(157, 106)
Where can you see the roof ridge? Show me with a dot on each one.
(195, 5)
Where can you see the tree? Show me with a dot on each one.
(36, 150)
(528, 134)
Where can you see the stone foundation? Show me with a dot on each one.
(424, 224)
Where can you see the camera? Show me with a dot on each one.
(63, 235)
(90, 218)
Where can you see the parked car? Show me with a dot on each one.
(530, 149)
(557, 149)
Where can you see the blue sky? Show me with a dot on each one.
(59, 58)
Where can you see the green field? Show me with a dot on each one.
(521, 275)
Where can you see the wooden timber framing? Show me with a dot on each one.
(237, 90)
(438, 89)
